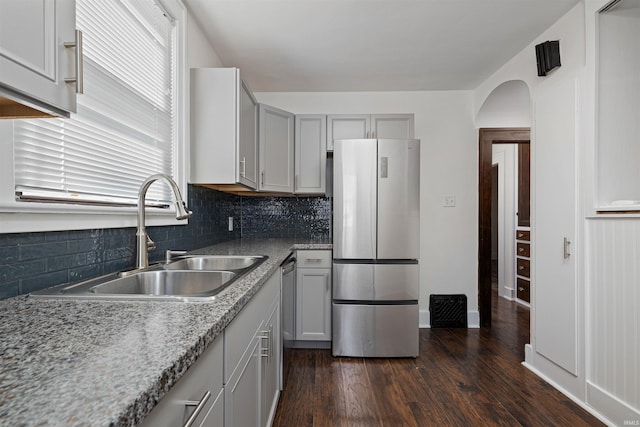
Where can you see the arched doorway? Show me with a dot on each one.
(505, 117)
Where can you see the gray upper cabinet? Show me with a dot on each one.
(223, 128)
(276, 144)
(311, 154)
(358, 126)
(34, 61)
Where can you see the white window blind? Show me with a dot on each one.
(123, 131)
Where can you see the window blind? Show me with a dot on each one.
(123, 130)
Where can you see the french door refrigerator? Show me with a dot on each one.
(376, 246)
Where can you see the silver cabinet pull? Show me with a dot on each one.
(313, 259)
(521, 289)
(199, 405)
(243, 171)
(262, 178)
(520, 249)
(520, 267)
(567, 252)
(78, 79)
(267, 335)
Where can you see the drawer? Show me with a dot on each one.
(524, 290)
(523, 249)
(523, 267)
(313, 259)
(523, 235)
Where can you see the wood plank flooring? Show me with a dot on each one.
(463, 377)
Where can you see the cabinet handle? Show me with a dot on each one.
(567, 252)
(199, 405)
(520, 249)
(521, 267)
(78, 79)
(262, 178)
(295, 183)
(521, 289)
(313, 259)
(264, 352)
(243, 171)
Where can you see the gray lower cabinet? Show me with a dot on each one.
(235, 382)
(313, 295)
(200, 389)
(252, 360)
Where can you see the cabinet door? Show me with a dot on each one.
(33, 59)
(313, 305)
(205, 375)
(310, 154)
(342, 126)
(270, 366)
(555, 297)
(247, 167)
(215, 416)
(276, 142)
(242, 392)
(392, 126)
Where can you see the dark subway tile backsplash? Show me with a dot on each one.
(33, 261)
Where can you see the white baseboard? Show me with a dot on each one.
(587, 407)
(473, 319)
(614, 409)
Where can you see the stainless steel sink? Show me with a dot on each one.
(213, 262)
(189, 278)
(167, 283)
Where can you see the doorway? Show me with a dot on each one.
(488, 137)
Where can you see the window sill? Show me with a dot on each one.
(66, 218)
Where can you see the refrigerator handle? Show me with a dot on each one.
(384, 167)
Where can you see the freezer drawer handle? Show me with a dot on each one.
(384, 167)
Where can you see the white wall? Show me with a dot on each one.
(444, 124)
(605, 249)
(200, 53)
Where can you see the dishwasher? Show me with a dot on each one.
(288, 313)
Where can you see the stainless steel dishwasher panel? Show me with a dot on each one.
(381, 330)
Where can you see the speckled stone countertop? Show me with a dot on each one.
(104, 363)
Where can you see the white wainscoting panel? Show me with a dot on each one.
(614, 308)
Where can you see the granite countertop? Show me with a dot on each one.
(106, 363)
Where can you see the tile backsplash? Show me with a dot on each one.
(32, 261)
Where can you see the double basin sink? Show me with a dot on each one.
(187, 278)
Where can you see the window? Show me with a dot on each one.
(128, 122)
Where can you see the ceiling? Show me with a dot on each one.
(371, 45)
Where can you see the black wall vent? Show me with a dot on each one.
(448, 311)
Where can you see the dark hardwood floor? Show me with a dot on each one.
(463, 377)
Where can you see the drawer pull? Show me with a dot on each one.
(313, 259)
(199, 405)
(521, 267)
(520, 289)
(520, 249)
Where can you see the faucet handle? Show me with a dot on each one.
(169, 254)
(151, 245)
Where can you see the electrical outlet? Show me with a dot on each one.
(449, 201)
(230, 223)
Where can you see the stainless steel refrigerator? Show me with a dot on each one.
(376, 246)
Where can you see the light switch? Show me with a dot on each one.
(449, 201)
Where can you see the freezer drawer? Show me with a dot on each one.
(375, 330)
(376, 282)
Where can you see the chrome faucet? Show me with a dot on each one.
(144, 242)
